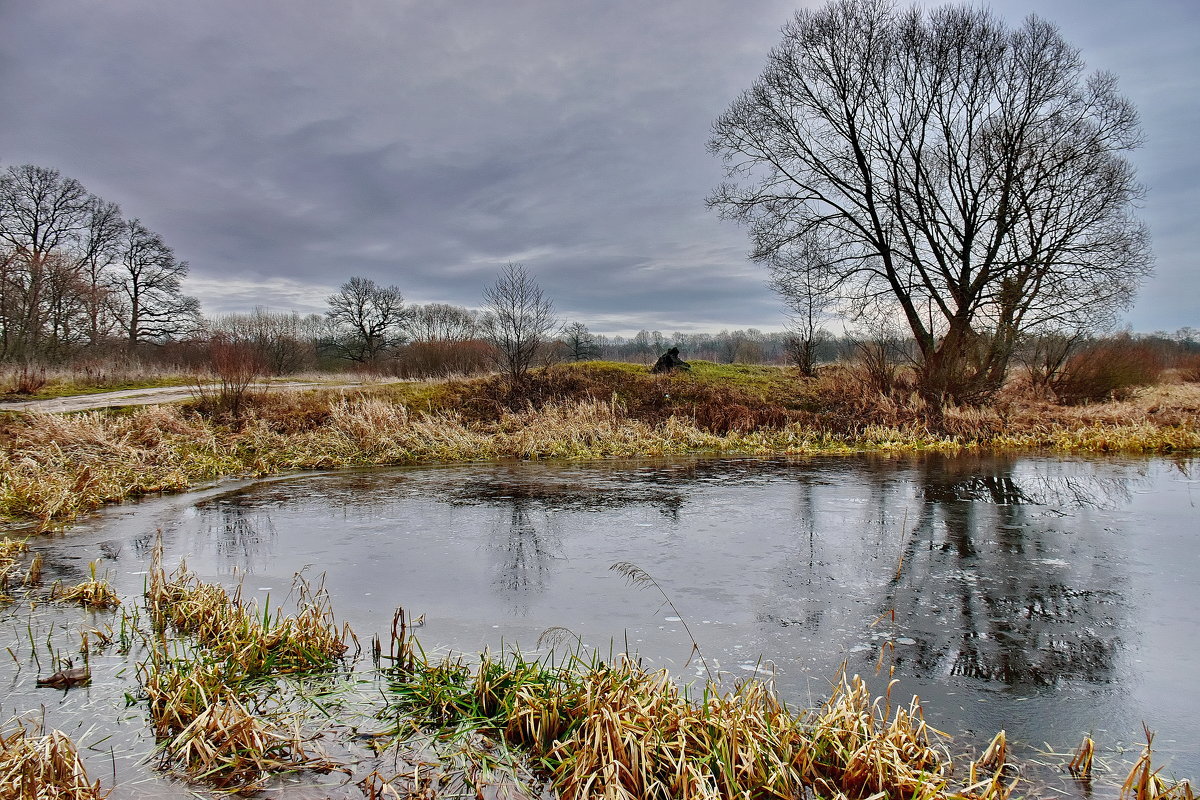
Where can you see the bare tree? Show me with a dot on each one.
(519, 317)
(99, 252)
(967, 178)
(149, 281)
(441, 322)
(369, 320)
(808, 299)
(579, 341)
(41, 216)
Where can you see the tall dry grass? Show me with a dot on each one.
(53, 467)
(204, 701)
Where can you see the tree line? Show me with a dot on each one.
(76, 274)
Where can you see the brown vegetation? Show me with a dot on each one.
(48, 767)
(53, 466)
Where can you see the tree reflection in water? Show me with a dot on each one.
(1013, 609)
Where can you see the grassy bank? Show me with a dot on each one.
(54, 467)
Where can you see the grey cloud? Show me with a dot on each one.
(282, 144)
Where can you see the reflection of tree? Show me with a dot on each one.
(525, 551)
(239, 533)
(991, 592)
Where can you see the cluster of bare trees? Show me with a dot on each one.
(75, 274)
(370, 325)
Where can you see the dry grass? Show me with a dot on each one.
(619, 731)
(54, 467)
(46, 767)
(198, 700)
(95, 593)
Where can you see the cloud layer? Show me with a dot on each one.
(282, 147)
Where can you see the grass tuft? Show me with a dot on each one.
(48, 767)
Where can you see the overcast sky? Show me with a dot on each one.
(282, 147)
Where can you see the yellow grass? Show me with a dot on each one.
(46, 767)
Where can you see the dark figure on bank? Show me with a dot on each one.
(668, 361)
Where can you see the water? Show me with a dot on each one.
(1049, 597)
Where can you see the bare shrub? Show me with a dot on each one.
(236, 364)
(1107, 369)
(25, 380)
(1188, 368)
(443, 359)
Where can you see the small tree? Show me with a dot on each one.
(519, 317)
(368, 320)
(580, 344)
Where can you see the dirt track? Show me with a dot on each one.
(145, 397)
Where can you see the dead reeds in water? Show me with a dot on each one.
(200, 700)
(620, 731)
(48, 767)
(1145, 783)
(95, 593)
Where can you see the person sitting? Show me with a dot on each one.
(669, 361)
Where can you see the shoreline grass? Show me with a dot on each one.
(232, 719)
(54, 467)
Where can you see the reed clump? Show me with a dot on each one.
(199, 701)
(618, 730)
(95, 593)
(43, 767)
(238, 633)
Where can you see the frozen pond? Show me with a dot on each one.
(1049, 597)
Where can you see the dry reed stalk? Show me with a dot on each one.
(1081, 764)
(43, 768)
(1144, 783)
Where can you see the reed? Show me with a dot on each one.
(1145, 783)
(200, 699)
(36, 767)
(95, 593)
(621, 731)
(1081, 765)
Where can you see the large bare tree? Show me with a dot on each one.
(518, 319)
(369, 319)
(41, 216)
(148, 279)
(964, 177)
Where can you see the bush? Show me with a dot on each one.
(1188, 368)
(1108, 369)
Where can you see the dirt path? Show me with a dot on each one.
(147, 397)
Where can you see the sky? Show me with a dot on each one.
(284, 146)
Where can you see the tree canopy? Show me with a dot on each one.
(943, 170)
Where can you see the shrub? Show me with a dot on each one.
(1107, 369)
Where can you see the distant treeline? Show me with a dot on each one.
(80, 285)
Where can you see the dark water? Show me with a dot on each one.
(1048, 597)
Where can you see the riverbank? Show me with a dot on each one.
(54, 467)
